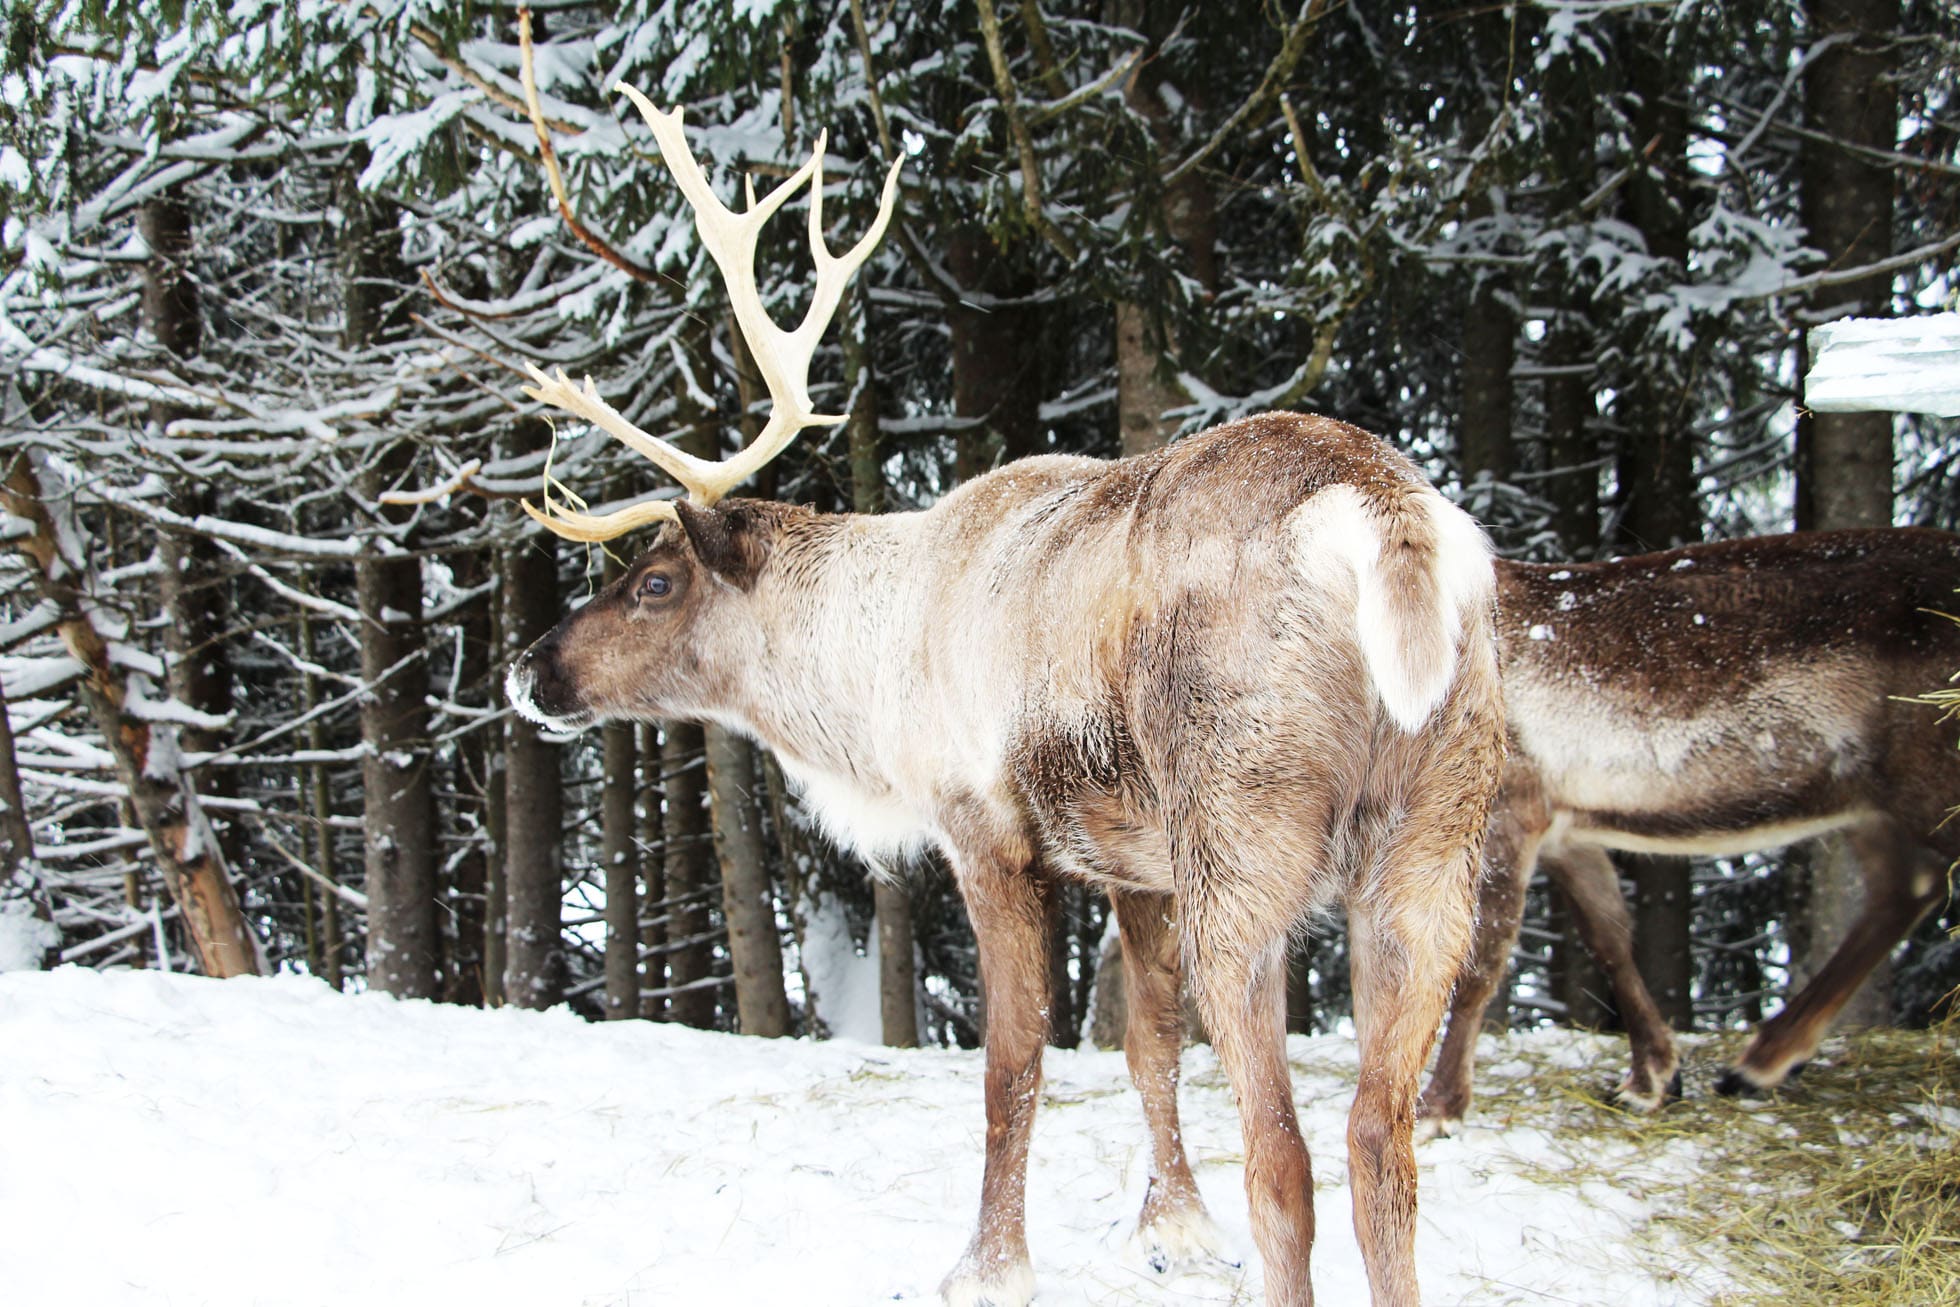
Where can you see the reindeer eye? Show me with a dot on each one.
(655, 585)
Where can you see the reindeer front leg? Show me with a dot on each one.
(1592, 887)
(1008, 902)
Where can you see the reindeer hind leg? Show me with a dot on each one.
(1903, 882)
(1238, 971)
(1174, 1227)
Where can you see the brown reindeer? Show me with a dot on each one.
(1718, 699)
(1235, 682)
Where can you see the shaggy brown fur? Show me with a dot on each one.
(1239, 681)
(1718, 699)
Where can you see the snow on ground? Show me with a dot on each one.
(171, 1140)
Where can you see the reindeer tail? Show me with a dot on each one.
(1422, 569)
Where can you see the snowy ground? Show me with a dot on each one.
(171, 1140)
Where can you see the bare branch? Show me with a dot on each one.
(1255, 104)
(549, 156)
(1018, 129)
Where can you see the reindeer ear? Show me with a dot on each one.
(726, 539)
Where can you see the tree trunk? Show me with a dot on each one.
(19, 877)
(191, 584)
(1851, 101)
(748, 897)
(690, 875)
(1577, 981)
(1299, 988)
(534, 956)
(1845, 460)
(323, 953)
(16, 840)
(1489, 352)
(1659, 508)
(464, 966)
(1064, 1031)
(397, 762)
(1109, 1007)
(1147, 348)
(149, 762)
(1664, 899)
(996, 356)
(1143, 391)
(891, 897)
(652, 909)
(397, 780)
(622, 868)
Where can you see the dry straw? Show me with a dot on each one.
(1841, 1191)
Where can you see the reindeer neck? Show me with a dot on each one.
(839, 610)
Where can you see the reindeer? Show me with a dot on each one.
(1234, 682)
(1715, 700)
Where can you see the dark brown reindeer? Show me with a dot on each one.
(1718, 699)
(1234, 682)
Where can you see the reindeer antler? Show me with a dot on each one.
(782, 357)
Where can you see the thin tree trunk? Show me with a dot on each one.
(1299, 989)
(1663, 919)
(1845, 460)
(653, 910)
(1147, 348)
(190, 583)
(1851, 101)
(397, 760)
(1659, 508)
(465, 968)
(898, 979)
(1063, 1029)
(688, 867)
(149, 762)
(891, 897)
(621, 855)
(19, 877)
(996, 356)
(690, 874)
(397, 781)
(16, 840)
(748, 898)
(323, 954)
(1109, 1007)
(1576, 979)
(1488, 447)
(534, 958)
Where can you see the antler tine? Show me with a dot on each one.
(560, 393)
(597, 528)
(783, 358)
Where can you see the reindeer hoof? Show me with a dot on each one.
(1177, 1238)
(999, 1285)
(1437, 1119)
(1736, 1082)
(1733, 1084)
(1646, 1102)
(1438, 1126)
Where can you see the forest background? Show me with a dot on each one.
(268, 269)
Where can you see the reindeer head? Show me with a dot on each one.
(669, 637)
